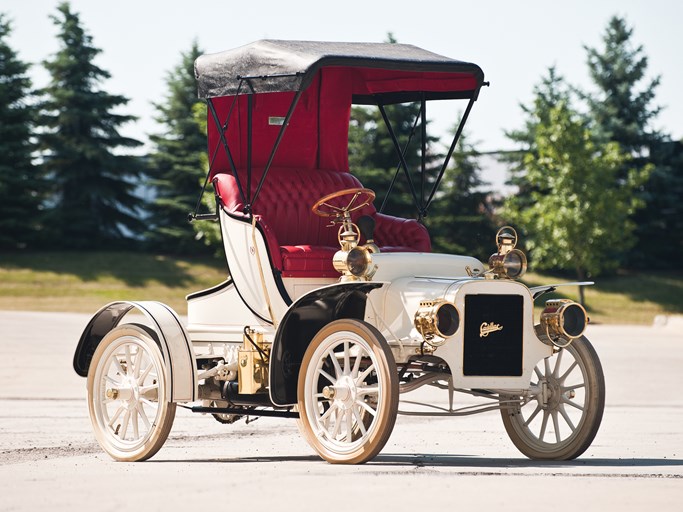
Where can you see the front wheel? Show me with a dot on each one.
(564, 416)
(348, 392)
(127, 401)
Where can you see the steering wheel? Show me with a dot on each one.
(325, 208)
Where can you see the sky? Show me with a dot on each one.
(513, 42)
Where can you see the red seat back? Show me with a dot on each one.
(285, 202)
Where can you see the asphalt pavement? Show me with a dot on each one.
(49, 459)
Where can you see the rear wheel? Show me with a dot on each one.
(127, 401)
(562, 420)
(348, 392)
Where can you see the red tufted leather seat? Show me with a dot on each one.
(300, 243)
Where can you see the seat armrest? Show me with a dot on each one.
(397, 232)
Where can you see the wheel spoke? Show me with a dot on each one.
(117, 363)
(337, 369)
(337, 423)
(533, 415)
(374, 390)
(556, 371)
(347, 360)
(153, 405)
(143, 415)
(365, 406)
(145, 373)
(569, 402)
(326, 415)
(546, 363)
(139, 356)
(349, 425)
(112, 381)
(365, 373)
(359, 421)
(357, 362)
(353, 199)
(575, 386)
(332, 207)
(327, 376)
(539, 374)
(569, 370)
(566, 417)
(544, 424)
(116, 415)
(129, 362)
(134, 417)
(124, 425)
(556, 426)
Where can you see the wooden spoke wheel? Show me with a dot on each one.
(348, 392)
(562, 420)
(127, 401)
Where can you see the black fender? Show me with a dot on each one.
(300, 324)
(169, 333)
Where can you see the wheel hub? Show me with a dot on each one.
(129, 393)
(553, 394)
(343, 393)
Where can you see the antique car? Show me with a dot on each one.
(333, 309)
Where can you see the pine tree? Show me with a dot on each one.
(622, 108)
(623, 111)
(178, 165)
(20, 190)
(374, 160)
(93, 183)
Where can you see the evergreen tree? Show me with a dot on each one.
(622, 107)
(623, 111)
(178, 164)
(461, 220)
(93, 184)
(374, 160)
(20, 189)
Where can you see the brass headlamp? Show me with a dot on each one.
(354, 262)
(563, 321)
(436, 320)
(508, 262)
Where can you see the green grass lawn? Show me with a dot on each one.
(627, 298)
(83, 282)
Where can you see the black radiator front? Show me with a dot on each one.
(493, 335)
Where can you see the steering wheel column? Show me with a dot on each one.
(354, 262)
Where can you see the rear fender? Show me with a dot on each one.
(299, 325)
(168, 332)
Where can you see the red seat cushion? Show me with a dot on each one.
(308, 261)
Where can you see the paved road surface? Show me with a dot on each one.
(49, 460)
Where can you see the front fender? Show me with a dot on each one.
(169, 332)
(310, 313)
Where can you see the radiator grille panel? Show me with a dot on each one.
(498, 353)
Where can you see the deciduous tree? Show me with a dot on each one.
(580, 215)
